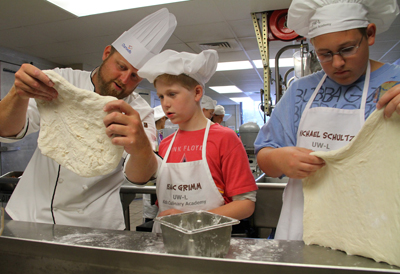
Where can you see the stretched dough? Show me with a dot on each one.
(72, 130)
(353, 203)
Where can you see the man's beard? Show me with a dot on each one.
(106, 87)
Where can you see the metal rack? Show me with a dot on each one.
(264, 34)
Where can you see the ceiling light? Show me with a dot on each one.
(241, 99)
(226, 89)
(223, 66)
(90, 7)
(283, 62)
(239, 65)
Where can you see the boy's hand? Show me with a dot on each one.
(390, 101)
(296, 162)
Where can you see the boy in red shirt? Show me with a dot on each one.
(204, 165)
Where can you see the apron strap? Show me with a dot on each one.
(203, 150)
(308, 105)
(365, 92)
(170, 147)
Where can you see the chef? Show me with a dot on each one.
(208, 106)
(219, 114)
(160, 118)
(50, 193)
(325, 110)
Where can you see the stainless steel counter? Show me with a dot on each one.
(44, 248)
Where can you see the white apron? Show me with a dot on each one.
(320, 129)
(187, 186)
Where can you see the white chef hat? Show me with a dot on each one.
(197, 66)
(207, 102)
(158, 113)
(311, 18)
(219, 110)
(146, 38)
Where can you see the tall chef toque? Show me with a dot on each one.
(197, 66)
(311, 18)
(146, 38)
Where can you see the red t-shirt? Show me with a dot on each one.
(226, 158)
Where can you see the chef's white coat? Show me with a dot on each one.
(50, 193)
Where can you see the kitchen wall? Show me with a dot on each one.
(18, 58)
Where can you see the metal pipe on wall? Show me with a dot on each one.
(278, 54)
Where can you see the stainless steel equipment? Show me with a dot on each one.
(128, 193)
(43, 248)
(8, 182)
(1, 220)
(268, 205)
(248, 134)
(197, 233)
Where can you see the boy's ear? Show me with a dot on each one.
(198, 93)
(371, 31)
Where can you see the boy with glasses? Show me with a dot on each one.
(325, 110)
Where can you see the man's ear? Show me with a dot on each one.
(198, 93)
(371, 32)
(106, 52)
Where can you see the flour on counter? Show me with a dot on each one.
(72, 130)
(353, 203)
(125, 241)
(255, 250)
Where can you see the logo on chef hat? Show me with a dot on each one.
(128, 48)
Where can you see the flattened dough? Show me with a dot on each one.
(353, 203)
(72, 130)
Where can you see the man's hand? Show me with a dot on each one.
(124, 125)
(31, 82)
(390, 101)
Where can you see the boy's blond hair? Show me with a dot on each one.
(182, 79)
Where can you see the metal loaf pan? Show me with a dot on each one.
(9, 181)
(197, 233)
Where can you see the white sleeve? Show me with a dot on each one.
(146, 114)
(32, 124)
(159, 162)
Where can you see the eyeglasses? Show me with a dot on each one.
(344, 52)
